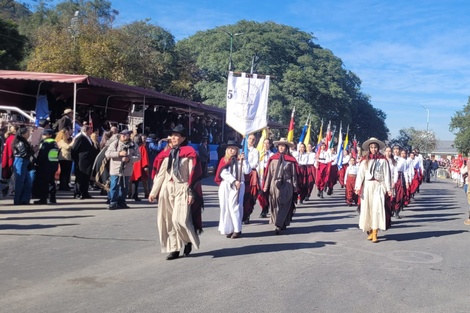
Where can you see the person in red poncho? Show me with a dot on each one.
(230, 178)
(7, 157)
(280, 182)
(140, 171)
(178, 188)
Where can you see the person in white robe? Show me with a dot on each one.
(375, 179)
(231, 190)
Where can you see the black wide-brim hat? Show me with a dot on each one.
(231, 143)
(177, 129)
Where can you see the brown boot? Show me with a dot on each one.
(370, 235)
(374, 235)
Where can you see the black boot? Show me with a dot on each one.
(264, 213)
(187, 249)
(173, 255)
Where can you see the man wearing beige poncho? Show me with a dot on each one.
(177, 186)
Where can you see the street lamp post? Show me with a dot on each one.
(427, 128)
(231, 46)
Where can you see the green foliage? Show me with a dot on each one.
(460, 126)
(12, 46)
(304, 75)
(411, 138)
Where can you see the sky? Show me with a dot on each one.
(413, 57)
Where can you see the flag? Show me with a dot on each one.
(247, 103)
(245, 146)
(264, 135)
(290, 133)
(332, 140)
(328, 135)
(354, 148)
(320, 134)
(345, 145)
(307, 135)
(339, 157)
(304, 131)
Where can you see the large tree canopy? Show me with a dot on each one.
(460, 124)
(78, 36)
(12, 46)
(139, 53)
(305, 75)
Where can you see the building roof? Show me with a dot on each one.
(445, 147)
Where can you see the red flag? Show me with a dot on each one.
(290, 132)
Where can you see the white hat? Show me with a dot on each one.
(67, 111)
(366, 144)
(283, 141)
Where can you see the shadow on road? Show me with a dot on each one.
(422, 235)
(32, 226)
(44, 217)
(264, 248)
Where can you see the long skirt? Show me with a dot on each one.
(400, 189)
(231, 208)
(415, 183)
(373, 207)
(281, 204)
(310, 178)
(302, 180)
(174, 218)
(250, 194)
(341, 173)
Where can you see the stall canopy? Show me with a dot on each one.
(21, 89)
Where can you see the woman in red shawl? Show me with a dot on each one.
(280, 183)
(140, 171)
(7, 157)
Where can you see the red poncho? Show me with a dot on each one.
(139, 166)
(194, 181)
(8, 158)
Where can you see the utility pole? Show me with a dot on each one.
(231, 47)
(427, 130)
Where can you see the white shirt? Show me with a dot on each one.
(302, 158)
(323, 157)
(253, 157)
(311, 158)
(333, 158)
(351, 170)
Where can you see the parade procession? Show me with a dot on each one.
(234, 156)
(256, 172)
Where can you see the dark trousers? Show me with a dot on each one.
(65, 172)
(82, 183)
(204, 169)
(45, 185)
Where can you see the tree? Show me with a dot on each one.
(12, 46)
(306, 75)
(411, 138)
(460, 125)
(139, 53)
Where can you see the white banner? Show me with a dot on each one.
(247, 103)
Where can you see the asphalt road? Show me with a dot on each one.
(77, 256)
